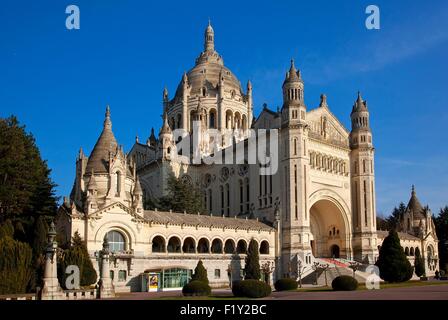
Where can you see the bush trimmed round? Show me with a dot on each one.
(344, 283)
(196, 288)
(285, 284)
(251, 288)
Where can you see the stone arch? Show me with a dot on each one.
(174, 245)
(217, 246)
(411, 251)
(203, 245)
(158, 243)
(241, 246)
(329, 212)
(124, 228)
(229, 246)
(264, 247)
(406, 251)
(189, 245)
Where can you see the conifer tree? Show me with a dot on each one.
(182, 196)
(252, 262)
(200, 273)
(419, 264)
(392, 261)
(15, 262)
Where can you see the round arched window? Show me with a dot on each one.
(116, 241)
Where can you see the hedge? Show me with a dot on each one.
(196, 288)
(344, 283)
(285, 284)
(251, 288)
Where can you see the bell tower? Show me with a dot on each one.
(362, 184)
(294, 171)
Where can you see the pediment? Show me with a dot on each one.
(117, 208)
(324, 125)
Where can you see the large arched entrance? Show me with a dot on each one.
(329, 230)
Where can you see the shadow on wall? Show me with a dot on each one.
(235, 265)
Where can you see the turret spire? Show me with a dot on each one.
(107, 121)
(209, 38)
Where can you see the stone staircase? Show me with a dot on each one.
(337, 267)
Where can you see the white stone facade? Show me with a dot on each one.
(319, 203)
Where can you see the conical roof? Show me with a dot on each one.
(360, 105)
(292, 75)
(415, 206)
(99, 157)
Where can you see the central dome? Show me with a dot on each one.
(205, 75)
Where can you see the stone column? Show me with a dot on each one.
(106, 288)
(51, 289)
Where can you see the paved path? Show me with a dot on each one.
(435, 292)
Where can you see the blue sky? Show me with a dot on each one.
(58, 81)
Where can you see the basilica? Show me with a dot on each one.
(314, 200)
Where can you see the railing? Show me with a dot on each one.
(81, 294)
(25, 296)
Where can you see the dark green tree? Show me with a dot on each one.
(252, 262)
(392, 261)
(26, 189)
(441, 223)
(200, 273)
(419, 264)
(182, 196)
(77, 255)
(394, 219)
(15, 264)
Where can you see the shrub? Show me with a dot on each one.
(252, 262)
(15, 266)
(392, 261)
(77, 255)
(200, 273)
(419, 264)
(251, 288)
(196, 288)
(344, 283)
(285, 284)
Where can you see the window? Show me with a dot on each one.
(116, 241)
(217, 273)
(122, 275)
(117, 184)
(111, 273)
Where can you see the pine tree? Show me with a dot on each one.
(182, 196)
(392, 261)
(15, 264)
(200, 273)
(393, 221)
(419, 264)
(252, 262)
(441, 223)
(77, 255)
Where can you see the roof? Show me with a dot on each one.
(99, 158)
(402, 235)
(175, 218)
(415, 206)
(206, 73)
